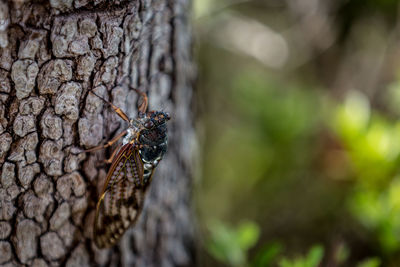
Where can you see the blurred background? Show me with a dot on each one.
(298, 107)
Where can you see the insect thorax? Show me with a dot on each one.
(154, 142)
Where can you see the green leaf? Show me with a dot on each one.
(248, 234)
(314, 256)
(371, 262)
(223, 244)
(230, 245)
(313, 259)
(267, 255)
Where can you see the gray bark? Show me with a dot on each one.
(51, 54)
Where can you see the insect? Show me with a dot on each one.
(132, 167)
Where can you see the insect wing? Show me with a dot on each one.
(122, 197)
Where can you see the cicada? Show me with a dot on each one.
(132, 166)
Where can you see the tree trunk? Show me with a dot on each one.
(52, 53)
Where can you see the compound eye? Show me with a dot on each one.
(149, 124)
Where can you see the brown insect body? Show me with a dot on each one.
(132, 167)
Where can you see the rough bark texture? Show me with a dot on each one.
(51, 54)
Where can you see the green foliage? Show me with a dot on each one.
(373, 145)
(371, 262)
(371, 141)
(267, 255)
(230, 245)
(312, 259)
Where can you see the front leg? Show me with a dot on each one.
(110, 160)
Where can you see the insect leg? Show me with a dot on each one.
(108, 161)
(109, 143)
(143, 106)
(115, 108)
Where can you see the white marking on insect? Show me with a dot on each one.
(130, 135)
(147, 166)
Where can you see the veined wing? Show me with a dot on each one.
(122, 197)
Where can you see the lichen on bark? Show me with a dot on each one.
(52, 53)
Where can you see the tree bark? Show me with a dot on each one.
(51, 54)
